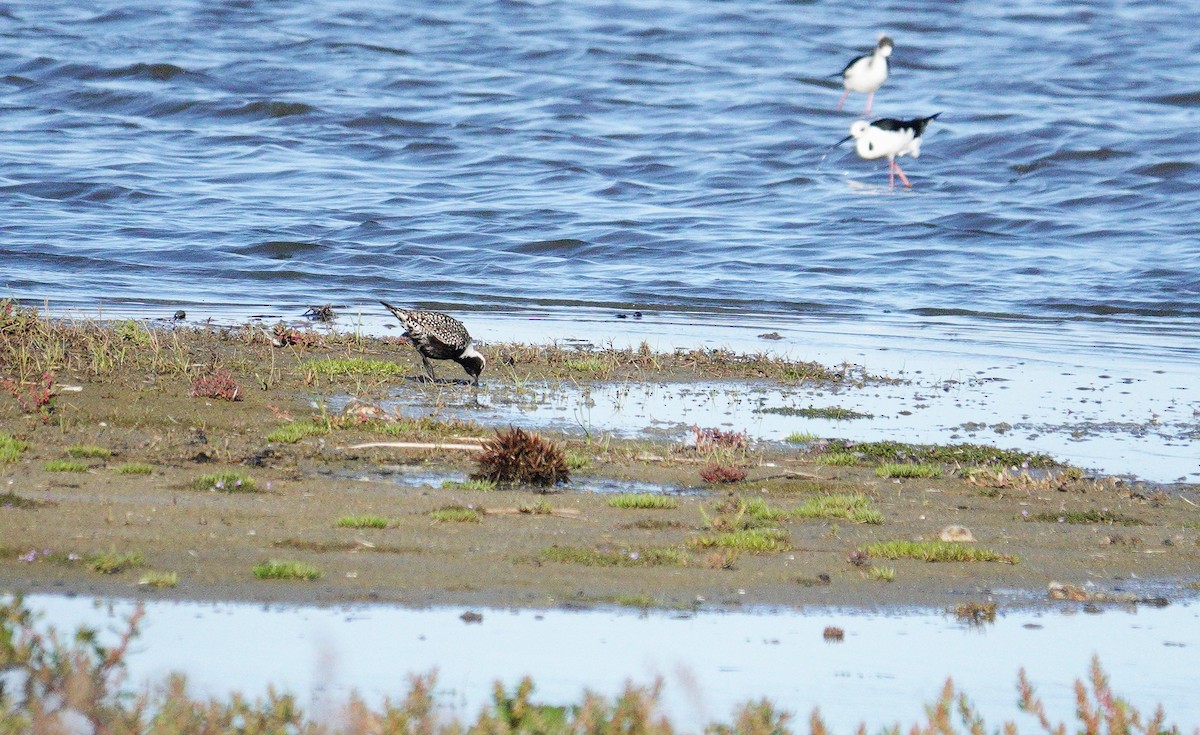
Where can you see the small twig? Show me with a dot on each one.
(1188, 502)
(417, 445)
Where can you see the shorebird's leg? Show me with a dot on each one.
(429, 369)
(902, 176)
(870, 96)
(891, 173)
(842, 101)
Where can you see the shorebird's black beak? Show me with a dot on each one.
(843, 140)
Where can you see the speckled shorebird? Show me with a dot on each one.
(866, 74)
(890, 138)
(439, 337)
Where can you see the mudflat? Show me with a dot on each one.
(250, 463)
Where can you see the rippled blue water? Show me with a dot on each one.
(664, 156)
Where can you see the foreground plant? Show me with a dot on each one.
(79, 683)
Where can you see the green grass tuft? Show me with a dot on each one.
(576, 461)
(934, 551)
(457, 514)
(88, 451)
(135, 468)
(356, 367)
(801, 437)
(834, 413)
(11, 448)
(66, 465)
(589, 365)
(159, 580)
(294, 431)
(750, 540)
(286, 569)
(662, 556)
(856, 508)
(837, 459)
(959, 454)
(364, 521)
(483, 486)
(226, 482)
(907, 469)
(643, 501)
(115, 562)
(882, 574)
(1080, 517)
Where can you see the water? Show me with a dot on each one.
(527, 157)
(889, 666)
(538, 167)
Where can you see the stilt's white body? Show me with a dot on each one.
(871, 142)
(890, 139)
(866, 74)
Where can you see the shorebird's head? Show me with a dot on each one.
(884, 47)
(473, 362)
(857, 130)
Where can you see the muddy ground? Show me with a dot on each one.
(127, 388)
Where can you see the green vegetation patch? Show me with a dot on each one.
(837, 459)
(88, 451)
(356, 367)
(226, 482)
(882, 574)
(643, 501)
(856, 508)
(1081, 517)
(363, 521)
(907, 469)
(801, 437)
(286, 569)
(115, 562)
(135, 468)
(457, 514)
(576, 461)
(481, 485)
(934, 551)
(963, 454)
(835, 413)
(294, 431)
(66, 465)
(159, 580)
(750, 540)
(11, 448)
(427, 426)
(659, 556)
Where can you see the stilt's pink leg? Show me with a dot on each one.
(870, 96)
(902, 176)
(891, 173)
(842, 101)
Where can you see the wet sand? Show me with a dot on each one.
(133, 397)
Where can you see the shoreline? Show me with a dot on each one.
(519, 548)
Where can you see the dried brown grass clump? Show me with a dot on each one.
(522, 458)
(217, 384)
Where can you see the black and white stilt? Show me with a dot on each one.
(439, 337)
(866, 74)
(891, 139)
